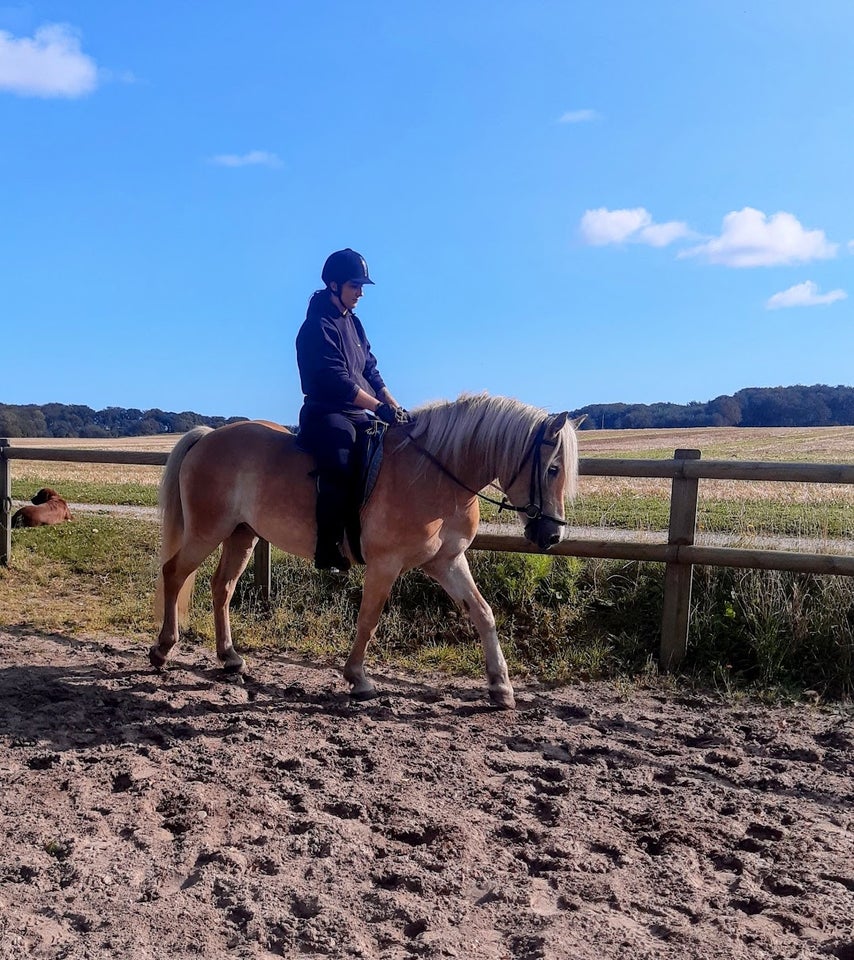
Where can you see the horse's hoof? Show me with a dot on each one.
(368, 693)
(156, 658)
(233, 667)
(503, 699)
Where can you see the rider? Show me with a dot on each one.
(342, 387)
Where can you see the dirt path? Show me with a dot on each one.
(182, 815)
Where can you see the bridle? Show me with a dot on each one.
(533, 510)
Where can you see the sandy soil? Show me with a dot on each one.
(184, 815)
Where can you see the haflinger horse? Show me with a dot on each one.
(247, 480)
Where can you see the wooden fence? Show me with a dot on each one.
(679, 553)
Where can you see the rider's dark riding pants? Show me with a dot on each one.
(331, 438)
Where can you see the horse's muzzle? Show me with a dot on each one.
(544, 533)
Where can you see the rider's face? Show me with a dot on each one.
(349, 294)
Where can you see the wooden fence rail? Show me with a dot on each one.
(679, 553)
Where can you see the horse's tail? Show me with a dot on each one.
(172, 518)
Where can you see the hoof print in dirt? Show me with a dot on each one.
(345, 810)
(43, 761)
(474, 710)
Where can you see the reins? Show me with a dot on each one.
(532, 510)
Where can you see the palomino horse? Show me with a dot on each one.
(247, 480)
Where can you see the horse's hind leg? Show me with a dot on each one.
(457, 580)
(378, 582)
(236, 551)
(175, 573)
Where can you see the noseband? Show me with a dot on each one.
(533, 510)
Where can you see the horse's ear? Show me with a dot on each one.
(576, 423)
(558, 422)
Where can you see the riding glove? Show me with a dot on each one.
(393, 415)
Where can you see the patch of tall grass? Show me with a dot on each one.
(559, 619)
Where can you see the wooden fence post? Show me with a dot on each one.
(5, 504)
(678, 576)
(263, 570)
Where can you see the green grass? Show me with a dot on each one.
(740, 517)
(77, 491)
(96, 573)
(825, 519)
(559, 619)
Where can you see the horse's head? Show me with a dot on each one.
(545, 478)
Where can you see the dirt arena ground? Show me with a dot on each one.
(184, 815)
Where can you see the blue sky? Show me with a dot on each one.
(567, 202)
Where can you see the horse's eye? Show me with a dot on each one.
(554, 470)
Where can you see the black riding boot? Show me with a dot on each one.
(331, 511)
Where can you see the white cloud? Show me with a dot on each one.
(579, 116)
(804, 295)
(254, 158)
(48, 64)
(749, 238)
(663, 234)
(602, 226)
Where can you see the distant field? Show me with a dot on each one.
(779, 444)
(802, 444)
(90, 472)
(792, 508)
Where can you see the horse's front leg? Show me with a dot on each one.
(378, 582)
(455, 576)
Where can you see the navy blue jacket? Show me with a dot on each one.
(334, 359)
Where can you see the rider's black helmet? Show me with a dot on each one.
(345, 266)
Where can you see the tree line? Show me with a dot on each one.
(798, 406)
(70, 420)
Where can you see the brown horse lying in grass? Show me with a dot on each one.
(247, 480)
(49, 507)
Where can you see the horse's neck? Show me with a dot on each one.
(476, 475)
(475, 470)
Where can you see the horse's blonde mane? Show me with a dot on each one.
(497, 430)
